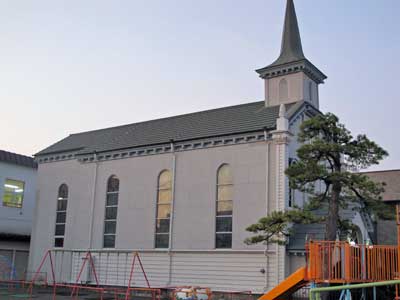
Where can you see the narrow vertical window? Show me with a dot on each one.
(310, 91)
(283, 90)
(110, 219)
(223, 237)
(164, 199)
(61, 216)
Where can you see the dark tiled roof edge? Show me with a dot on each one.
(14, 237)
(17, 159)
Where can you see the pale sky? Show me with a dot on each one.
(71, 66)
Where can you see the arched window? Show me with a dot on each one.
(110, 219)
(61, 216)
(283, 90)
(164, 199)
(223, 236)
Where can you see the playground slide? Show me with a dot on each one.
(291, 284)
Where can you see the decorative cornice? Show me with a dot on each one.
(253, 137)
(303, 65)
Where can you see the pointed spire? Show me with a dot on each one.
(291, 49)
(291, 58)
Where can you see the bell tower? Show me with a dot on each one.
(292, 77)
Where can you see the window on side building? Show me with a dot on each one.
(61, 216)
(163, 215)
(224, 207)
(13, 193)
(110, 216)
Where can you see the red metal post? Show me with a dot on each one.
(144, 272)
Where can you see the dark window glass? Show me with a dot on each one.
(59, 242)
(113, 184)
(109, 241)
(63, 192)
(60, 229)
(61, 217)
(223, 240)
(112, 199)
(110, 226)
(111, 213)
(162, 226)
(62, 205)
(162, 240)
(224, 224)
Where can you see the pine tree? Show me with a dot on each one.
(332, 158)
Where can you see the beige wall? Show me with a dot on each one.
(298, 89)
(194, 213)
(194, 220)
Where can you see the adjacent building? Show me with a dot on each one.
(385, 230)
(18, 174)
(181, 190)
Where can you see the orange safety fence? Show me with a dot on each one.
(341, 262)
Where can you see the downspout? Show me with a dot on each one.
(93, 200)
(171, 221)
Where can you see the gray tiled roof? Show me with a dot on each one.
(17, 159)
(242, 118)
(392, 180)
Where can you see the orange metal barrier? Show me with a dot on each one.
(340, 262)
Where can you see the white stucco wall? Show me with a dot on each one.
(194, 213)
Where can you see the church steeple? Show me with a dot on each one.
(292, 77)
(291, 49)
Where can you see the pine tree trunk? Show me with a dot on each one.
(333, 213)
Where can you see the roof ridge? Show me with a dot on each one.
(170, 117)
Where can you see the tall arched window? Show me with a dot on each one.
(61, 215)
(223, 236)
(283, 90)
(164, 200)
(110, 219)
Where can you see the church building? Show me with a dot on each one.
(181, 190)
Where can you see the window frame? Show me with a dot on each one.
(158, 204)
(59, 198)
(105, 219)
(14, 195)
(217, 201)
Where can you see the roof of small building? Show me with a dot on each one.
(392, 180)
(17, 159)
(249, 117)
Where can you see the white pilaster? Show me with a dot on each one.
(281, 138)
